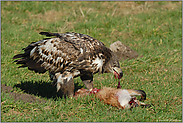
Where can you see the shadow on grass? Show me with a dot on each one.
(41, 88)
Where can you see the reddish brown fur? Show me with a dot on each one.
(108, 96)
(82, 92)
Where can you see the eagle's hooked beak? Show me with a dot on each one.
(117, 73)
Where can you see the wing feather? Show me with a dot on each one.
(67, 51)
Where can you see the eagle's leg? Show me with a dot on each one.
(65, 84)
(87, 80)
(66, 89)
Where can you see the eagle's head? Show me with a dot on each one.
(113, 66)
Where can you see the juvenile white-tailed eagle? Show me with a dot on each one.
(67, 56)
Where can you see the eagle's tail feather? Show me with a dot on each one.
(20, 61)
(26, 61)
(24, 65)
(18, 56)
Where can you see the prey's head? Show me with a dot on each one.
(112, 66)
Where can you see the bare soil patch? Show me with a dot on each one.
(18, 96)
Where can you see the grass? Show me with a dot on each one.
(153, 29)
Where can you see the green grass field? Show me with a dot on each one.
(153, 29)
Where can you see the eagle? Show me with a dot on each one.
(69, 55)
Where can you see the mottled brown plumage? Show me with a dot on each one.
(69, 55)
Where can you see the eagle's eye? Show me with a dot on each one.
(114, 65)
